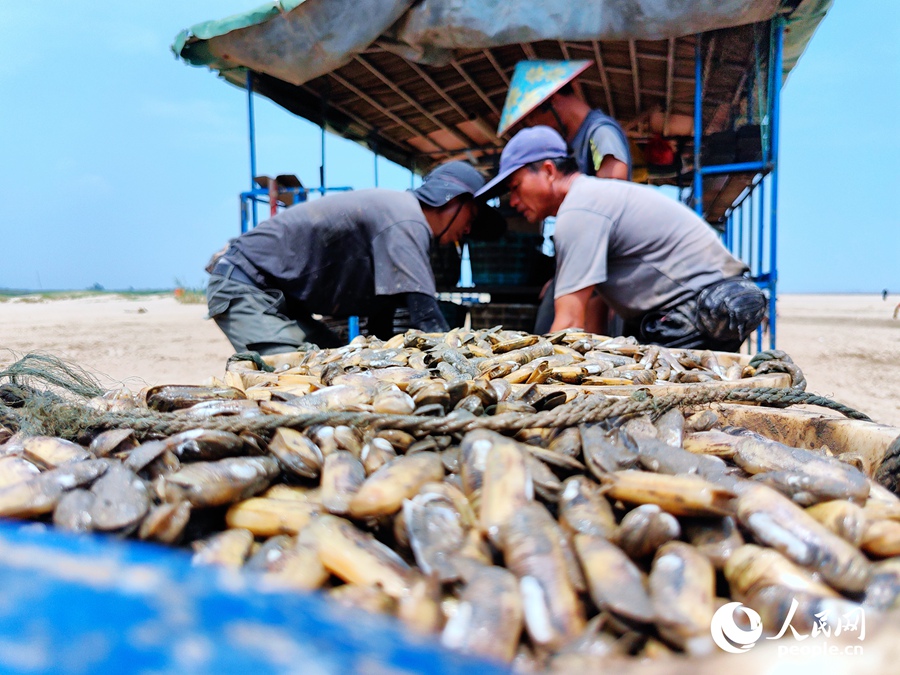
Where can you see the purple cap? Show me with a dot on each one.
(533, 144)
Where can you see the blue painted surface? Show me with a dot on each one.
(94, 605)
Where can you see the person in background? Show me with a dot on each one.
(653, 260)
(362, 253)
(541, 93)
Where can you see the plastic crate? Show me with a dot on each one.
(510, 316)
(514, 260)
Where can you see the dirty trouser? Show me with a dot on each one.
(719, 317)
(256, 319)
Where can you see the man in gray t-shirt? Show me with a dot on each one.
(359, 253)
(654, 261)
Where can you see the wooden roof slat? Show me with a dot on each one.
(478, 90)
(490, 57)
(576, 85)
(365, 97)
(400, 92)
(598, 57)
(635, 75)
(670, 77)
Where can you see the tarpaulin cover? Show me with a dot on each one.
(298, 40)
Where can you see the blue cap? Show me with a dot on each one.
(448, 181)
(533, 144)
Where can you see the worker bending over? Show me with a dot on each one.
(653, 260)
(361, 253)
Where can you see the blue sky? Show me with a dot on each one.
(121, 165)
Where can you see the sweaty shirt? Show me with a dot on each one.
(599, 135)
(642, 250)
(336, 253)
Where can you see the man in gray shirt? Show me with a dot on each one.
(653, 260)
(359, 253)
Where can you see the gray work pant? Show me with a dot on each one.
(256, 319)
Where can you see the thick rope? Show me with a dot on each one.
(590, 408)
(776, 361)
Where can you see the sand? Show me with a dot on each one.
(848, 346)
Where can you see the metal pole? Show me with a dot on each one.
(759, 246)
(375, 151)
(775, 124)
(324, 112)
(698, 124)
(252, 123)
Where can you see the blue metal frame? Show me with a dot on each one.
(254, 196)
(766, 171)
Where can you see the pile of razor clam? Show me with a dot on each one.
(548, 549)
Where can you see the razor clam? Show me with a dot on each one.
(205, 445)
(435, 534)
(584, 510)
(678, 495)
(507, 484)
(882, 539)
(644, 529)
(474, 449)
(605, 452)
(52, 452)
(702, 420)
(298, 567)
(488, 619)
(121, 499)
(268, 557)
(383, 492)
(225, 481)
(166, 522)
(844, 518)
(420, 609)
(270, 517)
(41, 494)
(757, 454)
(228, 548)
(615, 583)
(296, 452)
(342, 476)
(779, 523)
(375, 454)
(16, 470)
(753, 567)
(365, 597)
(716, 538)
(532, 551)
(73, 512)
(655, 455)
(167, 398)
(670, 428)
(357, 557)
(883, 591)
(113, 440)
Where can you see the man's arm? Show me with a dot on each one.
(571, 310)
(425, 314)
(610, 167)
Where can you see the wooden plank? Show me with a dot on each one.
(811, 430)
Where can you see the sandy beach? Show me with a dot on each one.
(848, 346)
